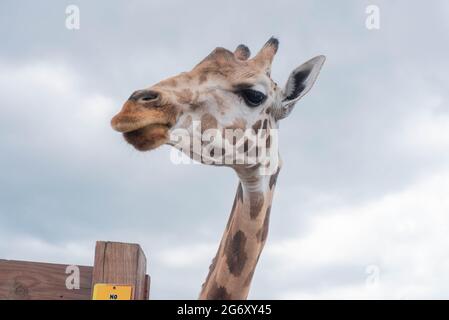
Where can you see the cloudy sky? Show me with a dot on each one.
(361, 207)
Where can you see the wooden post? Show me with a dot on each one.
(121, 264)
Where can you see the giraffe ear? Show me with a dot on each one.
(299, 83)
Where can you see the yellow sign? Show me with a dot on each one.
(105, 291)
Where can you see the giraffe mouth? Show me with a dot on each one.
(148, 137)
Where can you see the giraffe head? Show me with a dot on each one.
(226, 90)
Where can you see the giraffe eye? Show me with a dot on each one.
(253, 98)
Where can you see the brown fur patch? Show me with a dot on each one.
(184, 96)
(235, 253)
(268, 141)
(208, 121)
(219, 100)
(256, 200)
(202, 78)
(250, 148)
(265, 124)
(186, 76)
(257, 125)
(246, 146)
(220, 62)
(195, 106)
(238, 123)
(218, 293)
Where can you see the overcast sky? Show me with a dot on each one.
(363, 193)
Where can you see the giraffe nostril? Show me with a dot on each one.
(144, 95)
(150, 95)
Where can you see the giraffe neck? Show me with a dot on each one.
(232, 269)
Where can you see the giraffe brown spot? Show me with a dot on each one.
(235, 253)
(184, 96)
(186, 76)
(208, 121)
(202, 78)
(195, 105)
(218, 293)
(246, 146)
(274, 178)
(170, 112)
(265, 124)
(238, 123)
(234, 136)
(256, 200)
(257, 125)
(250, 148)
(219, 100)
(268, 141)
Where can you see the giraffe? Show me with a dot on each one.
(226, 90)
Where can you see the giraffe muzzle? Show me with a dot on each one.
(148, 138)
(144, 123)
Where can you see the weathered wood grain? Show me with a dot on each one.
(121, 263)
(22, 280)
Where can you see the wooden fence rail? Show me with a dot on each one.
(114, 263)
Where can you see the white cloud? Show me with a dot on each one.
(187, 256)
(404, 234)
(24, 247)
(53, 77)
(427, 129)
